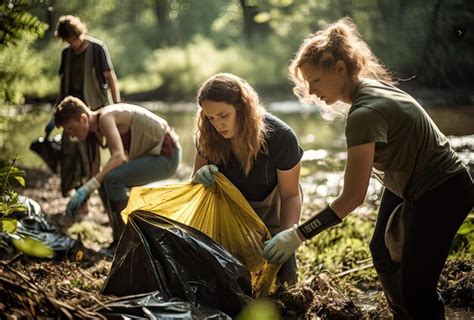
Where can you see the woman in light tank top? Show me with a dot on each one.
(387, 133)
(143, 149)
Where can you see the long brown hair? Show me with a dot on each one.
(251, 128)
(339, 40)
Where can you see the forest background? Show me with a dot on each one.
(163, 49)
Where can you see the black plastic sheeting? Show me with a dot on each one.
(153, 306)
(159, 254)
(49, 149)
(33, 223)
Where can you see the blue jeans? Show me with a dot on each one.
(139, 172)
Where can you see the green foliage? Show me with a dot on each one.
(339, 249)
(160, 47)
(10, 178)
(19, 67)
(16, 23)
(33, 247)
(41, 69)
(259, 309)
(462, 243)
(18, 29)
(180, 71)
(346, 247)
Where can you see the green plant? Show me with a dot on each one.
(10, 178)
(462, 241)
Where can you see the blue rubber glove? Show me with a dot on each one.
(81, 194)
(49, 127)
(280, 248)
(205, 175)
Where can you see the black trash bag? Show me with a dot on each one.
(153, 306)
(33, 223)
(159, 254)
(49, 149)
(33, 218)
(62, 245)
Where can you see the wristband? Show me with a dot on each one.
(324, 219)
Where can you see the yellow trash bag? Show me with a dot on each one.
(222, 213)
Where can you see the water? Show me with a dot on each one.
(317, 136)
(368, 301)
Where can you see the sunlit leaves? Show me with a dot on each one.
(262, 17)
(33, 247)
(466, 228)
(15, 22)
(8, 225)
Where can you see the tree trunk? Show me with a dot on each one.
(164, 24)
(429, 62)
(252, 28)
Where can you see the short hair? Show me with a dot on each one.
(69, 108)
(69, 26)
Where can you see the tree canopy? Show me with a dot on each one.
(165, 48)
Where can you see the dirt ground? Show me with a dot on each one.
(70, 288)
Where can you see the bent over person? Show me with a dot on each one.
(255, 150)
(87, 73)
(387, 131)
(143, 149)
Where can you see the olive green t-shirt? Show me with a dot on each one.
(412, 156)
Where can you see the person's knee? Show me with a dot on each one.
(381, 258)
(112, 181)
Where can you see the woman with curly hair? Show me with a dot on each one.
(255, 150)
(387, 131)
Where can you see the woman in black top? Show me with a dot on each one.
(255, 150)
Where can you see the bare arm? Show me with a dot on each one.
(109, 129)
(111, 79)
(288, 184)
(356, 179)
(198, 163)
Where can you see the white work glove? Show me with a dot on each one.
(205, 175)
(81, 194)
(280, 248)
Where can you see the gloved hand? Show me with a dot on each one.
(279, 249)
(205, 175)
(81, 194)
(49, 127)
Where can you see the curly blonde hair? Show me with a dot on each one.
(251, 127)
(339, 40)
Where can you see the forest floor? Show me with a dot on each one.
(70, 287)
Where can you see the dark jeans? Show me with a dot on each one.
(430, 228)
(137, 172)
